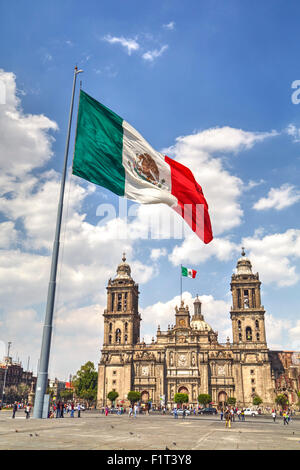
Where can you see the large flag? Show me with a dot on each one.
(188, 272)
(111, 153)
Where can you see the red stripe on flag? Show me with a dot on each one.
(194, 273)
(192, 205)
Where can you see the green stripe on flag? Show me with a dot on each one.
(184, 271)
(99, 145)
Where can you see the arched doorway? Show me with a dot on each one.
(183, 390)
(145, 396)
(222, 399)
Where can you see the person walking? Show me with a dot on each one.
(57, 409)
(72, 410)
(130, 412)
(221, 414)
(239, 414)
(62, 409)
(243, 414)
(27, 411)
(106, 411)
(227, 418)
(15, 407)
(183, 413)
(135, 410)
(175, 413)
(78, 410)
(274, 415)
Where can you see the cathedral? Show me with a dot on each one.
(187, 358)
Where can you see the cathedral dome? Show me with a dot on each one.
(244, 264)
(123, 269)
(200, 325)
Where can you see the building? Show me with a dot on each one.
(187, 358)
(12, 375)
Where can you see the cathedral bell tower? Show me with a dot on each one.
(121, 317)
(247, 313)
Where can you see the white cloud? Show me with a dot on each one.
(170, 26)
(279, 198)
(157, 253)
(273, 256)
(25, 138)
(129, 44)
(154, 54)
(294, 132)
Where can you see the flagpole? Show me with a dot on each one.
(42, 376)
(180, 284)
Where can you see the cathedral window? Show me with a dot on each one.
(126, 326)
(125, 301)
(118, 336)
(112, 301)
(239, 324)
(240, 336)
(109, 339)
(246, 298)
(253, 299)
(256, 324)
(110, 327)
(239, 298)
(257, 336)
(126, 339)
(119, 307)
(248, 333)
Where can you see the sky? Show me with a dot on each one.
(213, 84)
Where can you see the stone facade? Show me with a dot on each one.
(187, 358)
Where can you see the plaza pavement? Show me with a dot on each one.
(94, 431)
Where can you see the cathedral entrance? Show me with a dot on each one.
(145, 396)
(222, 399)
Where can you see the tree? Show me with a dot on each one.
(181, 398)
(298, 394)
(66, 394)
(281, 400)
(133, 396)
(85, 382)
(231, 401)
(112, 396)
(257, 400)
(204, 399)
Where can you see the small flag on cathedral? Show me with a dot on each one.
(188, 272)
(111, 153)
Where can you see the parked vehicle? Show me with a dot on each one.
(250, 412)
(208, 411)
(180, 412)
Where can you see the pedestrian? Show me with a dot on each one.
(227, 418)
(239, 414)
(243, 414)
(175, 413)
(221, 414)
(62, 408)
(57, 409)
(135, 410)
(274, 415)
(232, 414)
(27, 411)
(130, 412)
(72, 410)
(15, 407)
(106, 411)
(78, 410)
(183, 413)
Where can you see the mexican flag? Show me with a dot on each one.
(188, 272)
(111, 153)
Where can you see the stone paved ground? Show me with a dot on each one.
(153, 432)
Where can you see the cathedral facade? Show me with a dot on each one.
(187, 358)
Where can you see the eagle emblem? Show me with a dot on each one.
(146, 168)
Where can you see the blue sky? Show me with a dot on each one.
(208, 81)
